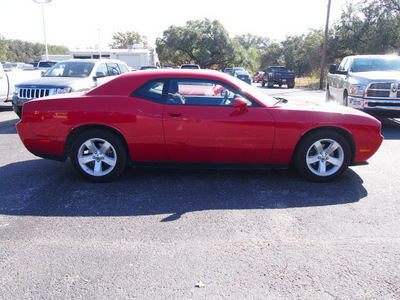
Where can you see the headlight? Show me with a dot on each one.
(62, 90)
(357, 90)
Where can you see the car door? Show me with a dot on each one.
(202, 125)
(338, 79)
(3, 85)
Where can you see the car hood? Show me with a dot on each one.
(377, 75)
(328, 109)
(73, 82)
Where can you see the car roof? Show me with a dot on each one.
(120, 85)
(94, 60)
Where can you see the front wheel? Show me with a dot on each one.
(323, 155)
(98, 155)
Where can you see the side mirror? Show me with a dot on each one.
(241, 104)
(100, 75)
(332, 68)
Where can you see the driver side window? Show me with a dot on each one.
(201, 92)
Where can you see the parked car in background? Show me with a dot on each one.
(9, 79)
(148, 68)
(258, 76)
(3, 84)
(228, 71)
(370, 83)
(190, 66)
(194, 118)
(235, 69)
(44, 64)
(279, 76)
(16, 66)
(75, 75)
(244, 76)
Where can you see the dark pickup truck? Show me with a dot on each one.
(279, 76)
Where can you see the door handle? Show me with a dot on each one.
(175, 115)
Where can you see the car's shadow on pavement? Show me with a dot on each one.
(390, 128)
(46, 188)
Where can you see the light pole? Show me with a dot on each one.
(41, 2)
(321, 78)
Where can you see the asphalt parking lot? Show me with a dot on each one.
(156, 233)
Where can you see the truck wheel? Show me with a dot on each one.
(345, 99)
(323, 155)
(328, 96)
(98, 155)
(263, 82)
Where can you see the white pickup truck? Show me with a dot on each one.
(370, 83)
(8, 80)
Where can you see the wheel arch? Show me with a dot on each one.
(343, 132)
(84, 128)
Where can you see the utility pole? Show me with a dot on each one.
(321, 78)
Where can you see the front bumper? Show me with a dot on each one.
(380, 107)
(17, 105)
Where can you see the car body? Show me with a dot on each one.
(68, 76)
(258, 76)
(279, 76)
(190, 66)
(244, 76)
(193, 119)
(370, 83)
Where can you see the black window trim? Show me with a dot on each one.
(165, 92)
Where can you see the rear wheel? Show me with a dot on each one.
(323, 155)
(98, 155)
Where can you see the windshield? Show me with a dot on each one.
(278, 69)
(70, 69)
(368, 64)
(255, 92)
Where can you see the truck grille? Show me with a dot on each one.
(384, 90)
(33, 93)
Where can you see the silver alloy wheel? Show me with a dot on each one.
(97, 157)
(325, 157)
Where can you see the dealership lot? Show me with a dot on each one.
(154, 233)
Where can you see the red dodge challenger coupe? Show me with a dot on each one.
(194, 119)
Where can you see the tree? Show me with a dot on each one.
(205, 43)
(3, 49)
(122, 40)
(20, 51)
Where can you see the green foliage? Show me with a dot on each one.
(19, 51)
(121, 40)
(205, 43)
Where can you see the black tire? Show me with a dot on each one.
(323, 155)
(263, 82)
(95, 163)
(328, 96)
(345, 99)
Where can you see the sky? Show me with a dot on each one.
(83, 24)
